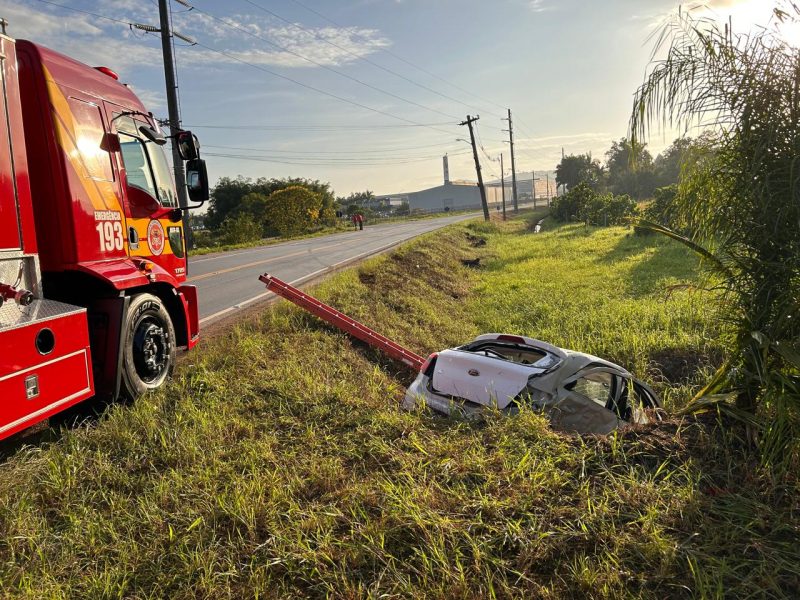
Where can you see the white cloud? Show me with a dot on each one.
(80, 36)
(92, 40)
(538, 6)
(263, 42)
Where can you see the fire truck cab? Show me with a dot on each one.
(93, 260)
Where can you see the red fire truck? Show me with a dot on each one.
(93, 300)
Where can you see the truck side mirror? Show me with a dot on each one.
(188, 145)
(197, 180)
(152, 135)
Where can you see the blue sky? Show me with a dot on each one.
(566, 68)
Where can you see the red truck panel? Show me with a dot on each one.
(36, 382)
(17, 229)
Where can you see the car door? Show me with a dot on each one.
(585, 401)
(480, 379)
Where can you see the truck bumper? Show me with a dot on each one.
(188, 296)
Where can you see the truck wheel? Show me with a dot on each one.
(148, 354)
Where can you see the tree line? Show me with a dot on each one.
(243, 209)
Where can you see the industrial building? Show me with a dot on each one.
(465, 195)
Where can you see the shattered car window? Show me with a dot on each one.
(598, 387)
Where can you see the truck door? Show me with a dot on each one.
(155, 229)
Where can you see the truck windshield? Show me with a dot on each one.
(145, 164)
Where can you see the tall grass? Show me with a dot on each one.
(278, 464)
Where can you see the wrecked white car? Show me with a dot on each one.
(578, 392)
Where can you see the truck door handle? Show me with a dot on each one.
(474, 372)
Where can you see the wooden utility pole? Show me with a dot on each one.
(503, 185)
(470, 120)
(510, 131)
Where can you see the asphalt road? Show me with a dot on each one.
(228, 281)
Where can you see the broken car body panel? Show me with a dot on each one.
(578, 391)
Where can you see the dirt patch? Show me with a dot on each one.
(476, 241)
(366, 277)
(472, 263)
(681, 365)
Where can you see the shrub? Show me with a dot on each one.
(239, 230)
(584, 204)
(294, 210)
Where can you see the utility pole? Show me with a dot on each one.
(533, 187)
(468, 123)
(510, 131)
(174, 115)
(503, 185)
(548, 190)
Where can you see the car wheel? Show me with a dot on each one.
(148, 346)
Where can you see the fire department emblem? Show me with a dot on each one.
(155, 237)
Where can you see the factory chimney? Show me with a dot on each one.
(446, 170)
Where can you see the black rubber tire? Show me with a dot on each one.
(148, 352)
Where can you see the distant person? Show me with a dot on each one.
(354, 219)
(360, 219)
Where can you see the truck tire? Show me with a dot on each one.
(148, 353)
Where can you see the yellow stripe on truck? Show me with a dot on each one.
(100, 193)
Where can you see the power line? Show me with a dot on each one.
(315, 162)
(336, 152)
(320, 128)
(316, 89)
(260, 68)
(408, 62)
(351, 53)
(321, 65)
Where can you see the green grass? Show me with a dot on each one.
(278, 464)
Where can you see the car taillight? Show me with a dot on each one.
(427, 366)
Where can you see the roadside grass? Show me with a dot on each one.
(278, 464)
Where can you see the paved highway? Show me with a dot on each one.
(228, 281)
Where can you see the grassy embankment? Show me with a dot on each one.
(279, 465)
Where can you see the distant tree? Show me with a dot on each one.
(403, 210)
(293, 210)
(225, 199)
(231, 197)
(579, 168)
(630, 169)
(668, 164)
(358, 198)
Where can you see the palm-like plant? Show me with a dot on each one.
(740, 199)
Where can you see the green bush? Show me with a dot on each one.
(584, 204)
(239, 230)
(293, 210)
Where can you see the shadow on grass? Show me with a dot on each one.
(89, 412)
(654, 261)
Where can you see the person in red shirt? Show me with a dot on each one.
(360, 220)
